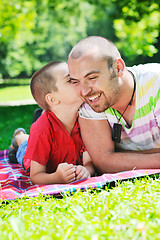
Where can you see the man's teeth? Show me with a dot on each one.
(94, 97)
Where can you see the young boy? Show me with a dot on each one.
(55, 151)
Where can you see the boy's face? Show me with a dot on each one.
(66, 93)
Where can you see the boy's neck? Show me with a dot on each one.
(67, 116)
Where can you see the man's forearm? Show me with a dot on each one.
(150, 151)
(90, 167)
(97, 138)
(117, 162)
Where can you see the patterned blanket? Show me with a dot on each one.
(14, 183)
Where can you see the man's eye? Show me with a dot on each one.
(92, 78)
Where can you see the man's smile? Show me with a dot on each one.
(92, 99)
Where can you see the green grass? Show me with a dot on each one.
(12, 118)
(12, 93)
(128, 211)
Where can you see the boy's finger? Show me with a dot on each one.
(70, 165)
(78, 169)
(83, 174)
(71, 178)
(70, 172)
(80, 176)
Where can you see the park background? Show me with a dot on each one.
(34, 32)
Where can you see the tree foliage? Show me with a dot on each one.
(34, 32)
(138, 28)
(17, 20)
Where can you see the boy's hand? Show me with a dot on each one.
(82, 172)
(65, 173)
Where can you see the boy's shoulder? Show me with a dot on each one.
(44, 122)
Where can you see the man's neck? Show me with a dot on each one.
(127, 92)
(126, 105)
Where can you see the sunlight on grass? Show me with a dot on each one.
(15, 93)
(128, 211)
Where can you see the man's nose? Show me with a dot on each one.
(85, 89)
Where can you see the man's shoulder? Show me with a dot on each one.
(146, 73)
(87, 112)
(146, 68)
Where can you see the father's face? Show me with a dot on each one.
(93, 82)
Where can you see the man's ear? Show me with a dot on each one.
(51, 100)
(119, 64)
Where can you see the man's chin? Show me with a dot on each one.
(97, 109)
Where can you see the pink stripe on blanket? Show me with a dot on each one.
(14, 182)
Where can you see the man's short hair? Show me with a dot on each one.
(42, 82)
(105, 48)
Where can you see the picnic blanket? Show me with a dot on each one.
(14, 182)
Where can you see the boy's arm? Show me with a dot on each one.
(65, 173)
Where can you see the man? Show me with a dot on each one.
(122, 133)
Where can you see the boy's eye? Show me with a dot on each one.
(72, 81)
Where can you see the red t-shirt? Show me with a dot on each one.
(50, 143)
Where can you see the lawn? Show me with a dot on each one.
(13, 117)
(130, 210)
(15, 90)
(10, 93)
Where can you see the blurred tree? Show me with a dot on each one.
(134, 26)
(137, 29)
(39, 31)
(16, 22)
(34, 32)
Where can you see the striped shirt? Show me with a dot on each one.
(144, 134)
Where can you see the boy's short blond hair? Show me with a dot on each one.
(43, 82)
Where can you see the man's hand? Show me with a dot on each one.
(65, 173)
(81, 172)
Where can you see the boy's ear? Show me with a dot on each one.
(120, 66)
(51, 100)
